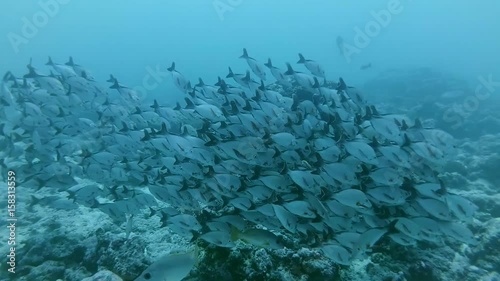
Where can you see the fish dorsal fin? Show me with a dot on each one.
(146, 136)
(248, 107)
(189, 104)
(185, 132)
(374, 111)
(111, 78)
(245, 54)
(407, 141)
(247, 78)
(115, 85)
(219, 82)
(224, 112)
(230, 74)
(8, 76)
(262, 87)
(177, 106)
(70, 61)
(443, 190)
(213, 140)
(418, 124)
(289, 70)
(155, 105)
(234, 107)
(269, 63)
(301, 59)
(404, 126)
(31, 71)
(342, 86)
(172, 67)
(316, 84)
(50, 62)
(200, 83)
(163, 130)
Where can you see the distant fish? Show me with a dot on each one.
(366, 66)
(256, 66)
(179, 80)
(340, 44)
(307, 161)
(303, 79)
(241, 79)
(278, 74)
(126, 92)
(65, 70)
(80, 70)
(314, 67)
(54, 202)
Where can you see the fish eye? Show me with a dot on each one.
(147, 276)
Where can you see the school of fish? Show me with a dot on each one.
(244, 159)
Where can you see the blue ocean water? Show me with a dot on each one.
(204, 37)
(438, 61)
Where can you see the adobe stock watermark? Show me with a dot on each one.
(153, 78)
(31, 26)
(223, 6)
(363, 36)
(461, 111)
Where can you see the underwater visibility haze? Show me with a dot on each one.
(250, 140)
